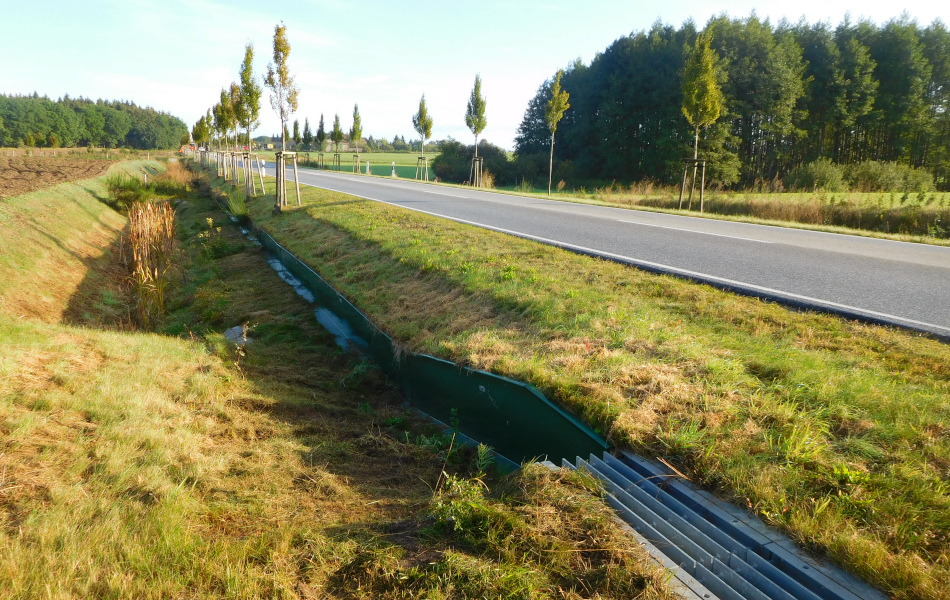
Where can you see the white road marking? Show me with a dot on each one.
(667, 268)
(735, 237)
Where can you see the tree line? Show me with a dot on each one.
(794, 95)
(37, 121)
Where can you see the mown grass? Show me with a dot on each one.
(833, 430)
(181, 465)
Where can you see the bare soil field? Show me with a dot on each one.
(22, 174)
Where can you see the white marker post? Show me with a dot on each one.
(367, 167)
(394, 169)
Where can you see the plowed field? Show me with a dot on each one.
(22, 174)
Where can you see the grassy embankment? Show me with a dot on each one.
(174, 465)
(833, 430)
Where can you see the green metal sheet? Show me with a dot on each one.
(515, 418)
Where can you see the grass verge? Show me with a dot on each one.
(833, 430)
(144, 465)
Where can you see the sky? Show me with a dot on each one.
(176, 55)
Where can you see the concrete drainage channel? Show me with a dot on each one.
(713, 549)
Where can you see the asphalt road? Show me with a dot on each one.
(884, 281)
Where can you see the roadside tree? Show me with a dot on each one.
(248, 108)
(284, 92)
(553, 112)
(475, 112)
(336, 136)
(422, 122)
(356, 132)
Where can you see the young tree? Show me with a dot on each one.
(702, 98)
(284, 91)
(356, 132)
(321, 134)
(553, 112)
(248, 109)
(296, 133)
(336, 136)
(475, 112)
(234, 101)
(422, 123)
(307, 134)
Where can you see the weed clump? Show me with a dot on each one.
(151, 245)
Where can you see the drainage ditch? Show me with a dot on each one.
(711, 548)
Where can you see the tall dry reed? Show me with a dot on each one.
(151, 244)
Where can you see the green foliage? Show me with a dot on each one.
(702, 98)
(307, 134)
(248, 107)
(422, 122)
(235, 200)
(475, 111)
(296, 136)
(553, 112)
(68, 122)
(336, 135)
(557, 105)
(818, 175)
(454, 163)
(126, 190)
(790, 95)
(284, 92)
(356, 131)
(321, 134)
(875, 176)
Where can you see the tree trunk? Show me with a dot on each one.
(551, 164)
(476, 145)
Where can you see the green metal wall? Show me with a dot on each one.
(514, 418)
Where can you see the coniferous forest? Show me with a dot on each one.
(37, 121)
(800, 98)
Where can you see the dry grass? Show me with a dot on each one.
(151, 250)
(831, 429)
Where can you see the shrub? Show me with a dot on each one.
(454, 164)
(874, 176)
(822, 174)
(125, 190)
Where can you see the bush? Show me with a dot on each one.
(874, 176)
(822, 174)
(454, 164)
(125, 190)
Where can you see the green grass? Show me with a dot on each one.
(833, 430)
(175, 464)
(380, 162)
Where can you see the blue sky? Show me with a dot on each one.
(176, 55)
